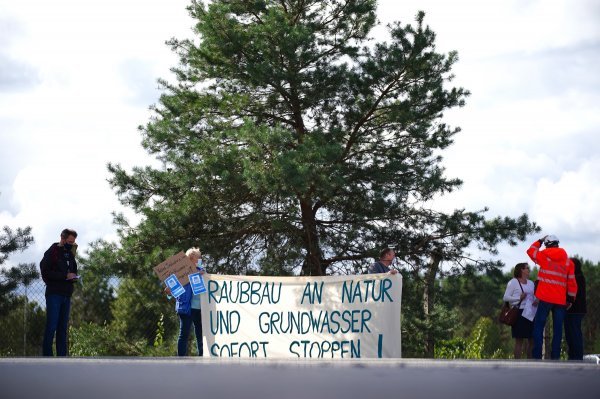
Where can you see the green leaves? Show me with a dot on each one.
(12, 241)
(23, 274)
(289, 139)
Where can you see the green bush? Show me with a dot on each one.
(160, 348)
(100, 340)
(92, 339)
(483, 343)
(454, 348)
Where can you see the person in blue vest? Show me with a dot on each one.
(187, 306)
(386, 258)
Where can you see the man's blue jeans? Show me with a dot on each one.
(57, 320)
(574, 336)
(185, 324)
(558, 317)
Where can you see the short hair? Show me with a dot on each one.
(193, 251)
(385, 251)
(66, 233)
(519, 269)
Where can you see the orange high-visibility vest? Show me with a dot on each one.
(556, 277)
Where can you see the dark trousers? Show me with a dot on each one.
(57, 320)
(185, 324)
(574, 336)
(539, 322)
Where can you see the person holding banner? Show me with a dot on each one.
(386, 257)
(187, 306)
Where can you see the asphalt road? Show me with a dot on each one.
(112, 378)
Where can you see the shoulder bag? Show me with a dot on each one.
(510, 314)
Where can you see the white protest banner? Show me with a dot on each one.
(179, 265)
(302, 317)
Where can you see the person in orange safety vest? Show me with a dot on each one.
(556, 291)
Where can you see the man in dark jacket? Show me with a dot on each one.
(59, 272)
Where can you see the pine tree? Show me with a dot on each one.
(292, 143)
(10, 242)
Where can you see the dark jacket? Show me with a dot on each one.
(580, 304)
(183, 303)
(55, 265)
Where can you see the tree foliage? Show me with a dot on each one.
(21, 327)
(137, 309)
(476, 294)
(91, 301)
(591, 321)
(292, 143)
(13, 241)
(482, 343)
(23, 274)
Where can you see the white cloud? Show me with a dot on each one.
(569, 201)
(529, 134)
(96, 64)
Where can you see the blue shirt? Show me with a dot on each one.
(378, 267)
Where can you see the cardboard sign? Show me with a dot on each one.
(179, 265)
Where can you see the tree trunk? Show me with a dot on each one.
(428, 302)
(312, 263)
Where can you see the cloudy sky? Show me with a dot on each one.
(77, 77)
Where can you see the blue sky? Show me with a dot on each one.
(77, 78)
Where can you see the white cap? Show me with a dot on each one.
(550, 239)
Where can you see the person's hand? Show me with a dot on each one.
(536, 301)
(393, 271)
(202, 271)
(168, 291)
(523, 295)
(71, 276)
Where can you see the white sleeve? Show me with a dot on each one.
(512, 294)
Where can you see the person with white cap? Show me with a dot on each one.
(556, 286)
